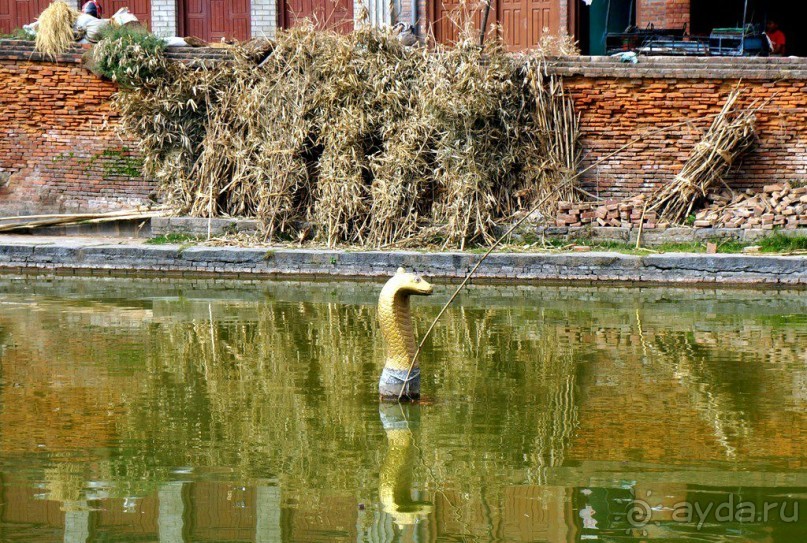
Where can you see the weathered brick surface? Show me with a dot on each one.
(616, 110)
(662, 13)
(58, 146)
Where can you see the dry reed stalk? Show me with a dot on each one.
(367, 140)
(558, 45)
(54, 36)
(473, 101)
(555, 129)
(401, 189)
(731, 134)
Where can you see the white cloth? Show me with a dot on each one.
(122, 17)
(91, 26)
(175, 42)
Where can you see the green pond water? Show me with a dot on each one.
(137, 410)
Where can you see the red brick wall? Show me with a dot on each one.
(616, 110)
(59, 150)
(662, 13)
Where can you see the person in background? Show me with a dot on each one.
(92, 7)
(776, 38)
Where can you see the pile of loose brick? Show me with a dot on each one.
(777, 206)
(628, 213)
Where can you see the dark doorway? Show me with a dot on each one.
(593, 22)
(709, 14)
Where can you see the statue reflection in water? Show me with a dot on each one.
(398, 499)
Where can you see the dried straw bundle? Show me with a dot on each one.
(558, 45)
(367, 140)
(731, 134)
(555, 131)
(276, 110)
(475, 102)
(54, 34)
(170, 122)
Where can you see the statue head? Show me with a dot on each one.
(404, 282)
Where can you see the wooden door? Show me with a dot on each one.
(523, 22)
(544, 19)
(214, 20)
(449, 16)
(15, 13)
(334, 15)
(139, 8)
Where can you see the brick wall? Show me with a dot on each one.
(164, 17)
(58, 147)
(619, 103)
(263, 16)
(662, 13)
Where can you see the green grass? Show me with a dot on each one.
(775, 243)
(172, 239)
(779, 243)
(630, 248)
(129, 55)
(700, 247)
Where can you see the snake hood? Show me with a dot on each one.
(395, 319)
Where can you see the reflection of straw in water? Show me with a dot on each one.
(714, 403)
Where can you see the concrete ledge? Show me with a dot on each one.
(199, 227)
(703, 67)
(651, 237)
(22, 50)
(92, 257)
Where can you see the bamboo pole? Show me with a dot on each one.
(74, 219)
(518, 223)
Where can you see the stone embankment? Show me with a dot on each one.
(83, 256)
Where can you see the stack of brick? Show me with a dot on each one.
(777, 206)
(574, 213)
(629, 213)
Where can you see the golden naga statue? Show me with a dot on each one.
(395, 477)
(399, 340)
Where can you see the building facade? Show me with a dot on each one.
(523, 22)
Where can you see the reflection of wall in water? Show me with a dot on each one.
(277, 375)
(175, 512)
